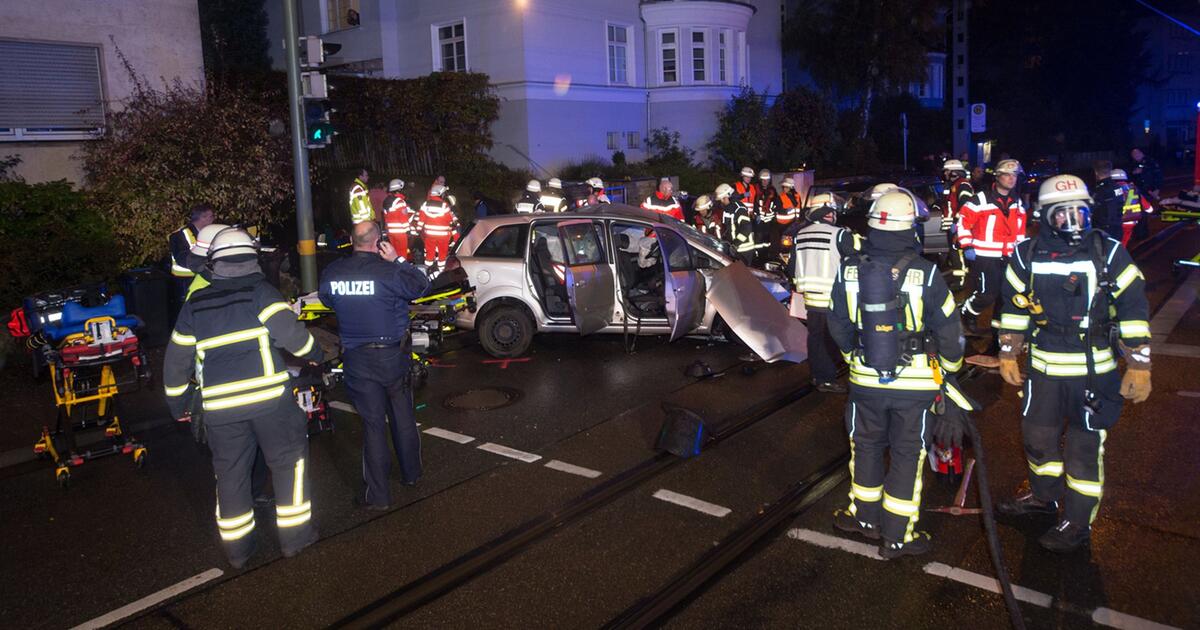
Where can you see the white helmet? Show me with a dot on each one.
(205, 236)
(724, 191)
(437, 190)
(555, 183)
(878, 190)
(534, 186)
(1063, 206)
(1008, 167)
(1118, 174)
(232, 242)
(595, 182)
(747, 171)
(703, 202)
(821, 204)
(1062, 188)
(787, 183)
(953, 165)
(764, 174)
(396, 185)
(895, 211)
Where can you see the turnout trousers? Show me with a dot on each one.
(283, 438)
(1054, 407)
(379, 386)
(986, 276)
(887, 497)
(823, 357)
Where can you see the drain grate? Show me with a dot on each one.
(484, 399)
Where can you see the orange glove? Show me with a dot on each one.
(1135, 385)
(1011, 345)
(1010, 371)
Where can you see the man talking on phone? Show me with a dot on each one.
(370, 291)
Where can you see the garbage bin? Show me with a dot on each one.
(147, 292)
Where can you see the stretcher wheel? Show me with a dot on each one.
(63, 476)
(139, 457)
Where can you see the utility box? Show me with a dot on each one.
(147, 292)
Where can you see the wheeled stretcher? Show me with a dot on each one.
(93, 355)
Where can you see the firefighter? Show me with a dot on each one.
(597, 196)
(723, 211)
(1134, 206)
(360, 200)
(663, 201)
(181, 242)
(398, 218)
(437, 226)
(370, 291)
(745, 188)
(531, 200)
(818, 251)
(238, 325)
(790, 206)
(553, 199)
(1080, 301)
(893, 319)
(766, 206)
(1148, 178)
(989, 228)
(958, 191)
(703, 218)
(740, 221)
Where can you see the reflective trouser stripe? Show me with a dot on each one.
(862, 493)
(237, 527)
(298, 483)
(1048, 469)
(1089, 488)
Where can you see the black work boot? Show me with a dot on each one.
(1025, 503)
(846, 522)
(921, 543)
(830, 387)
(1066, 537)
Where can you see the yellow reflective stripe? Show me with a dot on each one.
(236, 521)
(182, 339)
(1052, 369)
(1072, 358)
(948, 305)
(863, 493)
(306, 347)
(959, 399)
(950, 366)
(900, 507)
(1126, 278)
(271, 309)
(264, 350)
(1012, 321)
(245, 399)
(1099, 472)
(177, 391)
(1014, 280)
(293, 510)
(916, 500)
(223, 340)
(852, 509)
(1084, 487)
(244, 385)
(1136, 328)
(239, 533)
(1048, 469)
(292, 521)
(298, 483)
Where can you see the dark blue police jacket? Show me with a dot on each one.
(370, 296)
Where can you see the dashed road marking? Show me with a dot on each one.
(505, 451)
(150, 600)
(449, 435)
(1187, 394)
(835, 542)
(1114, 619)
(1169, 314)
(555, 464)
(987, 583)
(711, 509)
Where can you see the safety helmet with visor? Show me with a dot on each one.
(1064, 207)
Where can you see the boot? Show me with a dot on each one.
(1066, 537)
(921, 543)
(830, 387)
(846, 522)
(1025, 503)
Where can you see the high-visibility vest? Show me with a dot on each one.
(178, 268)
(361, 209)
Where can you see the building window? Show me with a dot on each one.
(722, 57)
(669, 49)
(341, 14)
(1180, 62)
(50, 91)
(633, 140)
(699, 54)
(450, 47)
(618, 54)
(614, 140)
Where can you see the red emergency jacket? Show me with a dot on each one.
(668, 205)
(992, 223)
(437, 220)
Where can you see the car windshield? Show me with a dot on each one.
(700, 238)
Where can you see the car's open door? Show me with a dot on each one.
(589, 279)
(684, 286)
(756, 316)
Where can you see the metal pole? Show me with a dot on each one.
(306, 245)
(904, 134)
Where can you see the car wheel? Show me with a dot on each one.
(507, 331)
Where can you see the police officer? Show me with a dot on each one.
(180, 243)
(1108, 200)
(370, 291)
(229, 336)
(1081, 300)
(813, 265)
(894, 320)
(531, 200)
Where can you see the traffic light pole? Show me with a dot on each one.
(306, 245)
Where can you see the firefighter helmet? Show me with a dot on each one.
(232, 241)
(205, 236)
(820, 205)
(1064, 207)
(894, 211)
(534, 186)
(1118, 174)
(396, 185)
(555, 183)
(703, 204)
(724, 191)
(764, 174)
(953, 166)
(596, 183)
(878, 190)
(747, 171)
(1008, 167)
(787, 183)
(437, 190)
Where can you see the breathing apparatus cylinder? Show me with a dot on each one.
(880, 312)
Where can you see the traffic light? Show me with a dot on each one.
(314, 88)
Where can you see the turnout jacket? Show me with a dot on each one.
(819, 248)
(668, 206)
(181, 242)
(229, 337)
(529, 203)
(553, 200)
(992, 224)
(1062, 278)
(958, 193)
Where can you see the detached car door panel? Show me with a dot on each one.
(589, 279)
(756, 316)
(683, 284)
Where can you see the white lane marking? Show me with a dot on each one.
(449, 435)
(554, 464)
(150, 600)
(835, 542)
(347, 407)
(1177, 306)
(513, 453)
(684, 500)
(987, 583)
(1189, 394)
(1114, 619)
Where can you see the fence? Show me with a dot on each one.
(380, 154)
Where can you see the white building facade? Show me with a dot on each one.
(576, 78)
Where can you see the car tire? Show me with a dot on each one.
(506, 331)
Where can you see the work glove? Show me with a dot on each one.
(969, 254)
(1011, 345)
(1135, 385)
(949, 428)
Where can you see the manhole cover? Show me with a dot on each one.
(484, 399)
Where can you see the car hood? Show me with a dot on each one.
(756, 316)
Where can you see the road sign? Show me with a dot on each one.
(978, 118)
